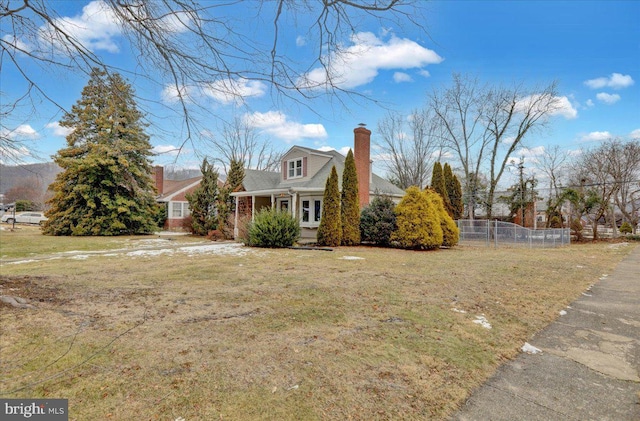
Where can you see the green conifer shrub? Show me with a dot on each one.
(454, 191)
(450, 231)
(330, 229)
(226, 202)
(350, 203)
(105, 187)
(378, 221)
(418, 222)
(626, 228)
(203, 201)
(439, 185)
(273, 228)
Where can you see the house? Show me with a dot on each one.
(173, 193)
(299, 186)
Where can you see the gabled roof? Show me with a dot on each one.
(172, 188)
(263, 181)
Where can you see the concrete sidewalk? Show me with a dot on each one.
(589, 367)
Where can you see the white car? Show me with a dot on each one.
(24, 218)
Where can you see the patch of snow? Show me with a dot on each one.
(530, 349)
(19, 262)
(563, 313)
(482, 321)
(587, 295)
(80, 257)
(146, 253)
(458, 311)
(351, 258)
(580, 266)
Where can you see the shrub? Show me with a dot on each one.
(349, 204)
(273, 228)
(330, 229)
(450, 231)
(378, 221)
(626, 228)
(418, 222)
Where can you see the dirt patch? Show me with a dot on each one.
(33, 289)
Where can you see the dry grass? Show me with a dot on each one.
(281, 334)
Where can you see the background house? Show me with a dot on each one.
(173, 194)
(299, 186)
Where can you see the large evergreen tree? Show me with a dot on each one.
(438, 184)
(226, 202)
(105, 187)
(330, 230)
(454, 191)
(350, 203)
(203, 201)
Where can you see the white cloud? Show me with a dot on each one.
(177, 22)
(399, 77)
(589, 103)
(17, 44)
(95, 28)
(560, 105)
(424, 73)
(300, 41)
(360, 63)
(530, 155)
(236, 91)
(58, 130)
(22, 132)
(635, 134)
(171, 94)
(615, 81)
(596, 137)
(608, 98)
(166, 150)
(278, 125)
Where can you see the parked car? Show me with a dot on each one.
(24, 218)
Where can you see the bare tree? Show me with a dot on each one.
(489, 123)
(624, 168)
(187, 47)
(553, 163)
(409, 147)
(241, 142)
(458, 110)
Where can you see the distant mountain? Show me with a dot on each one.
(13, 175)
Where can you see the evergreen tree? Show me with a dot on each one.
(418, 222)
(439, 185)
(330, 230)
(226, 202)
(105, 187)
(350, 203)
(203, 201)
(454, 191)
(378, 221)
(450, 231)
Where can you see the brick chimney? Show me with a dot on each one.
(158, 176)
(362, 156)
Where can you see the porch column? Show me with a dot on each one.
(273, 200)
(294, 202)
(253, 206)
(235, 221)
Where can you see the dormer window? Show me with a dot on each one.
(295, 168)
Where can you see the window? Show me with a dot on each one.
(179, 209)
(310, 211)
(295, 168)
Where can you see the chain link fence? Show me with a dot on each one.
(496, 233)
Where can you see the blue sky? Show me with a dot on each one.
(592, 49)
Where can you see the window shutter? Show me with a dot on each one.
(304, 166)
(284, 170)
